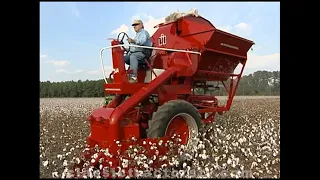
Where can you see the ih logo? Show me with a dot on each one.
(162, 40)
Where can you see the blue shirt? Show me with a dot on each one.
(142, 38)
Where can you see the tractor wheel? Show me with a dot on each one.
(176, 117)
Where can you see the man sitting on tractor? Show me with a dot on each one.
(137, 55)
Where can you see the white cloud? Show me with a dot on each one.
(271, 61)
(122, 28)
(138, 16)
(242, 26)
(108, 70)
(151, 22)
(74, 10)
(58, 63)
(62, 71)
(256, 47)
(68, 72)
(42, 56)
(254, 63)
(224, 28)
(148, 21)
(93, 72)
(243, 29)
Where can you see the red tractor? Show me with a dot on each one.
(193, 54)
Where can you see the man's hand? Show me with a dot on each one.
(131, 40)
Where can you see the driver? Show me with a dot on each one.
(137, 54)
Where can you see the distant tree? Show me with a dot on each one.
(258, 83)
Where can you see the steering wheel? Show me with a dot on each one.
(121, 41)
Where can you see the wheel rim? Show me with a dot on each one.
(184, 125)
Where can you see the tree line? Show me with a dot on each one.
(261, 83)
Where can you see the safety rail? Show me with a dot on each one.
(146, 47)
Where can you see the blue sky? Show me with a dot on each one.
(72, 34)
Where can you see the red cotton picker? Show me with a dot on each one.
(149, 119)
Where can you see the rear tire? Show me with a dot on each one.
(176, 116)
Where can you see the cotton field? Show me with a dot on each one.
(242, 143)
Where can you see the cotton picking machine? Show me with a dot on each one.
(193, 54)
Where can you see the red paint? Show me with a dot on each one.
(178, 126)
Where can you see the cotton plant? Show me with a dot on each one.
(244, 142)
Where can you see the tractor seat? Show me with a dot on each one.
(143, 65)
